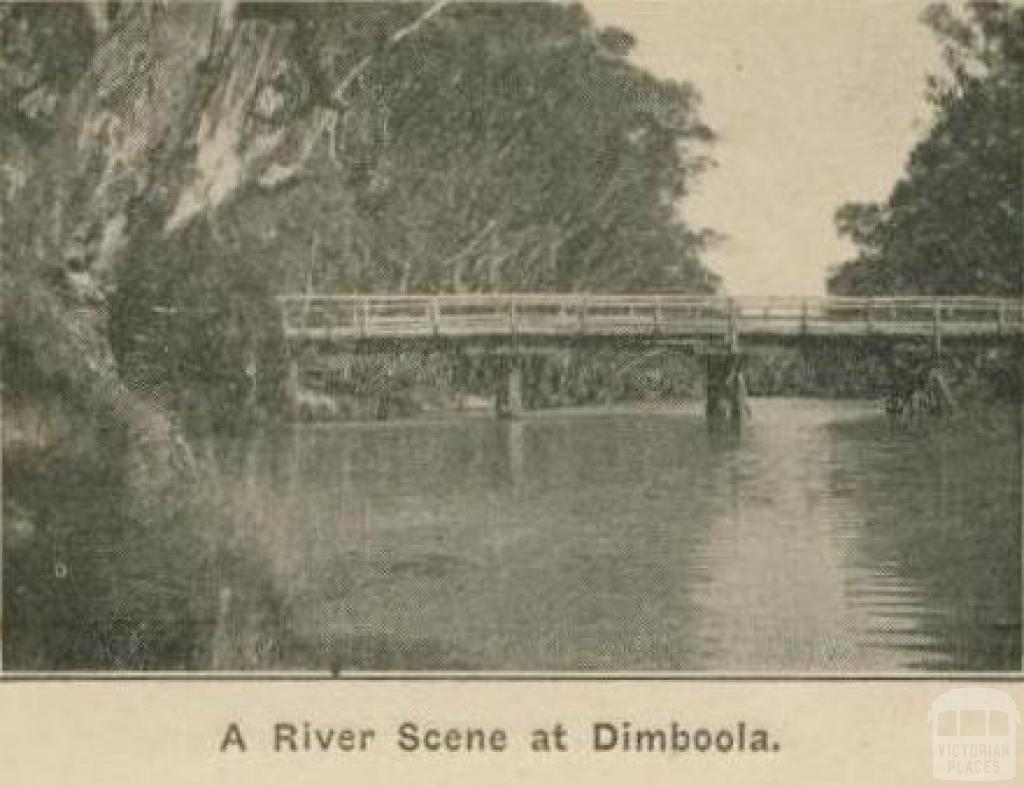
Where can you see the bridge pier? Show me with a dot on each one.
(726, 389)
(937, 387)
(508, 399)
(919, 385)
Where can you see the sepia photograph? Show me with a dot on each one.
(512, 338)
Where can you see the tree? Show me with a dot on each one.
(168, 167)
(128, 130)
(953, 223)
(504, 147)
(481, 147)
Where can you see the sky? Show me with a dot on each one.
(815, 103)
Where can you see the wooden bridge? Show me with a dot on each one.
(514, 323)
(343, 318)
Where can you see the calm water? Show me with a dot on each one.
(820, 539)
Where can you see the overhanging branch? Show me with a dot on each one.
(339, 97)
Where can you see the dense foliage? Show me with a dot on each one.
(953, 223)
(493, 147)
(166, 169)
(502, 146)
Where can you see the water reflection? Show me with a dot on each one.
(514, 437)
(939, 563)
(817, 539)
(778, 595)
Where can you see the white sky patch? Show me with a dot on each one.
(816, 102)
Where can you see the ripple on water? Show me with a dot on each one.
(819, 539)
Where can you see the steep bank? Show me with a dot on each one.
(168, 168)
(108, 563)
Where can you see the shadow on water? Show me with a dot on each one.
(937, 560)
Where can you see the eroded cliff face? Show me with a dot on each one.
(158, 116)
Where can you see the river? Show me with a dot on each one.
(820, 539)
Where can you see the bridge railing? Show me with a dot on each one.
(354, 316)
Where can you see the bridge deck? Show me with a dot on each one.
(348, 317)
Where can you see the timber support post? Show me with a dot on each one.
(738, 390)
(919, 389)
(508, 399)
(383, 409)
(714, 384)
(726, 390)
(732, 335)
(937, 391)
